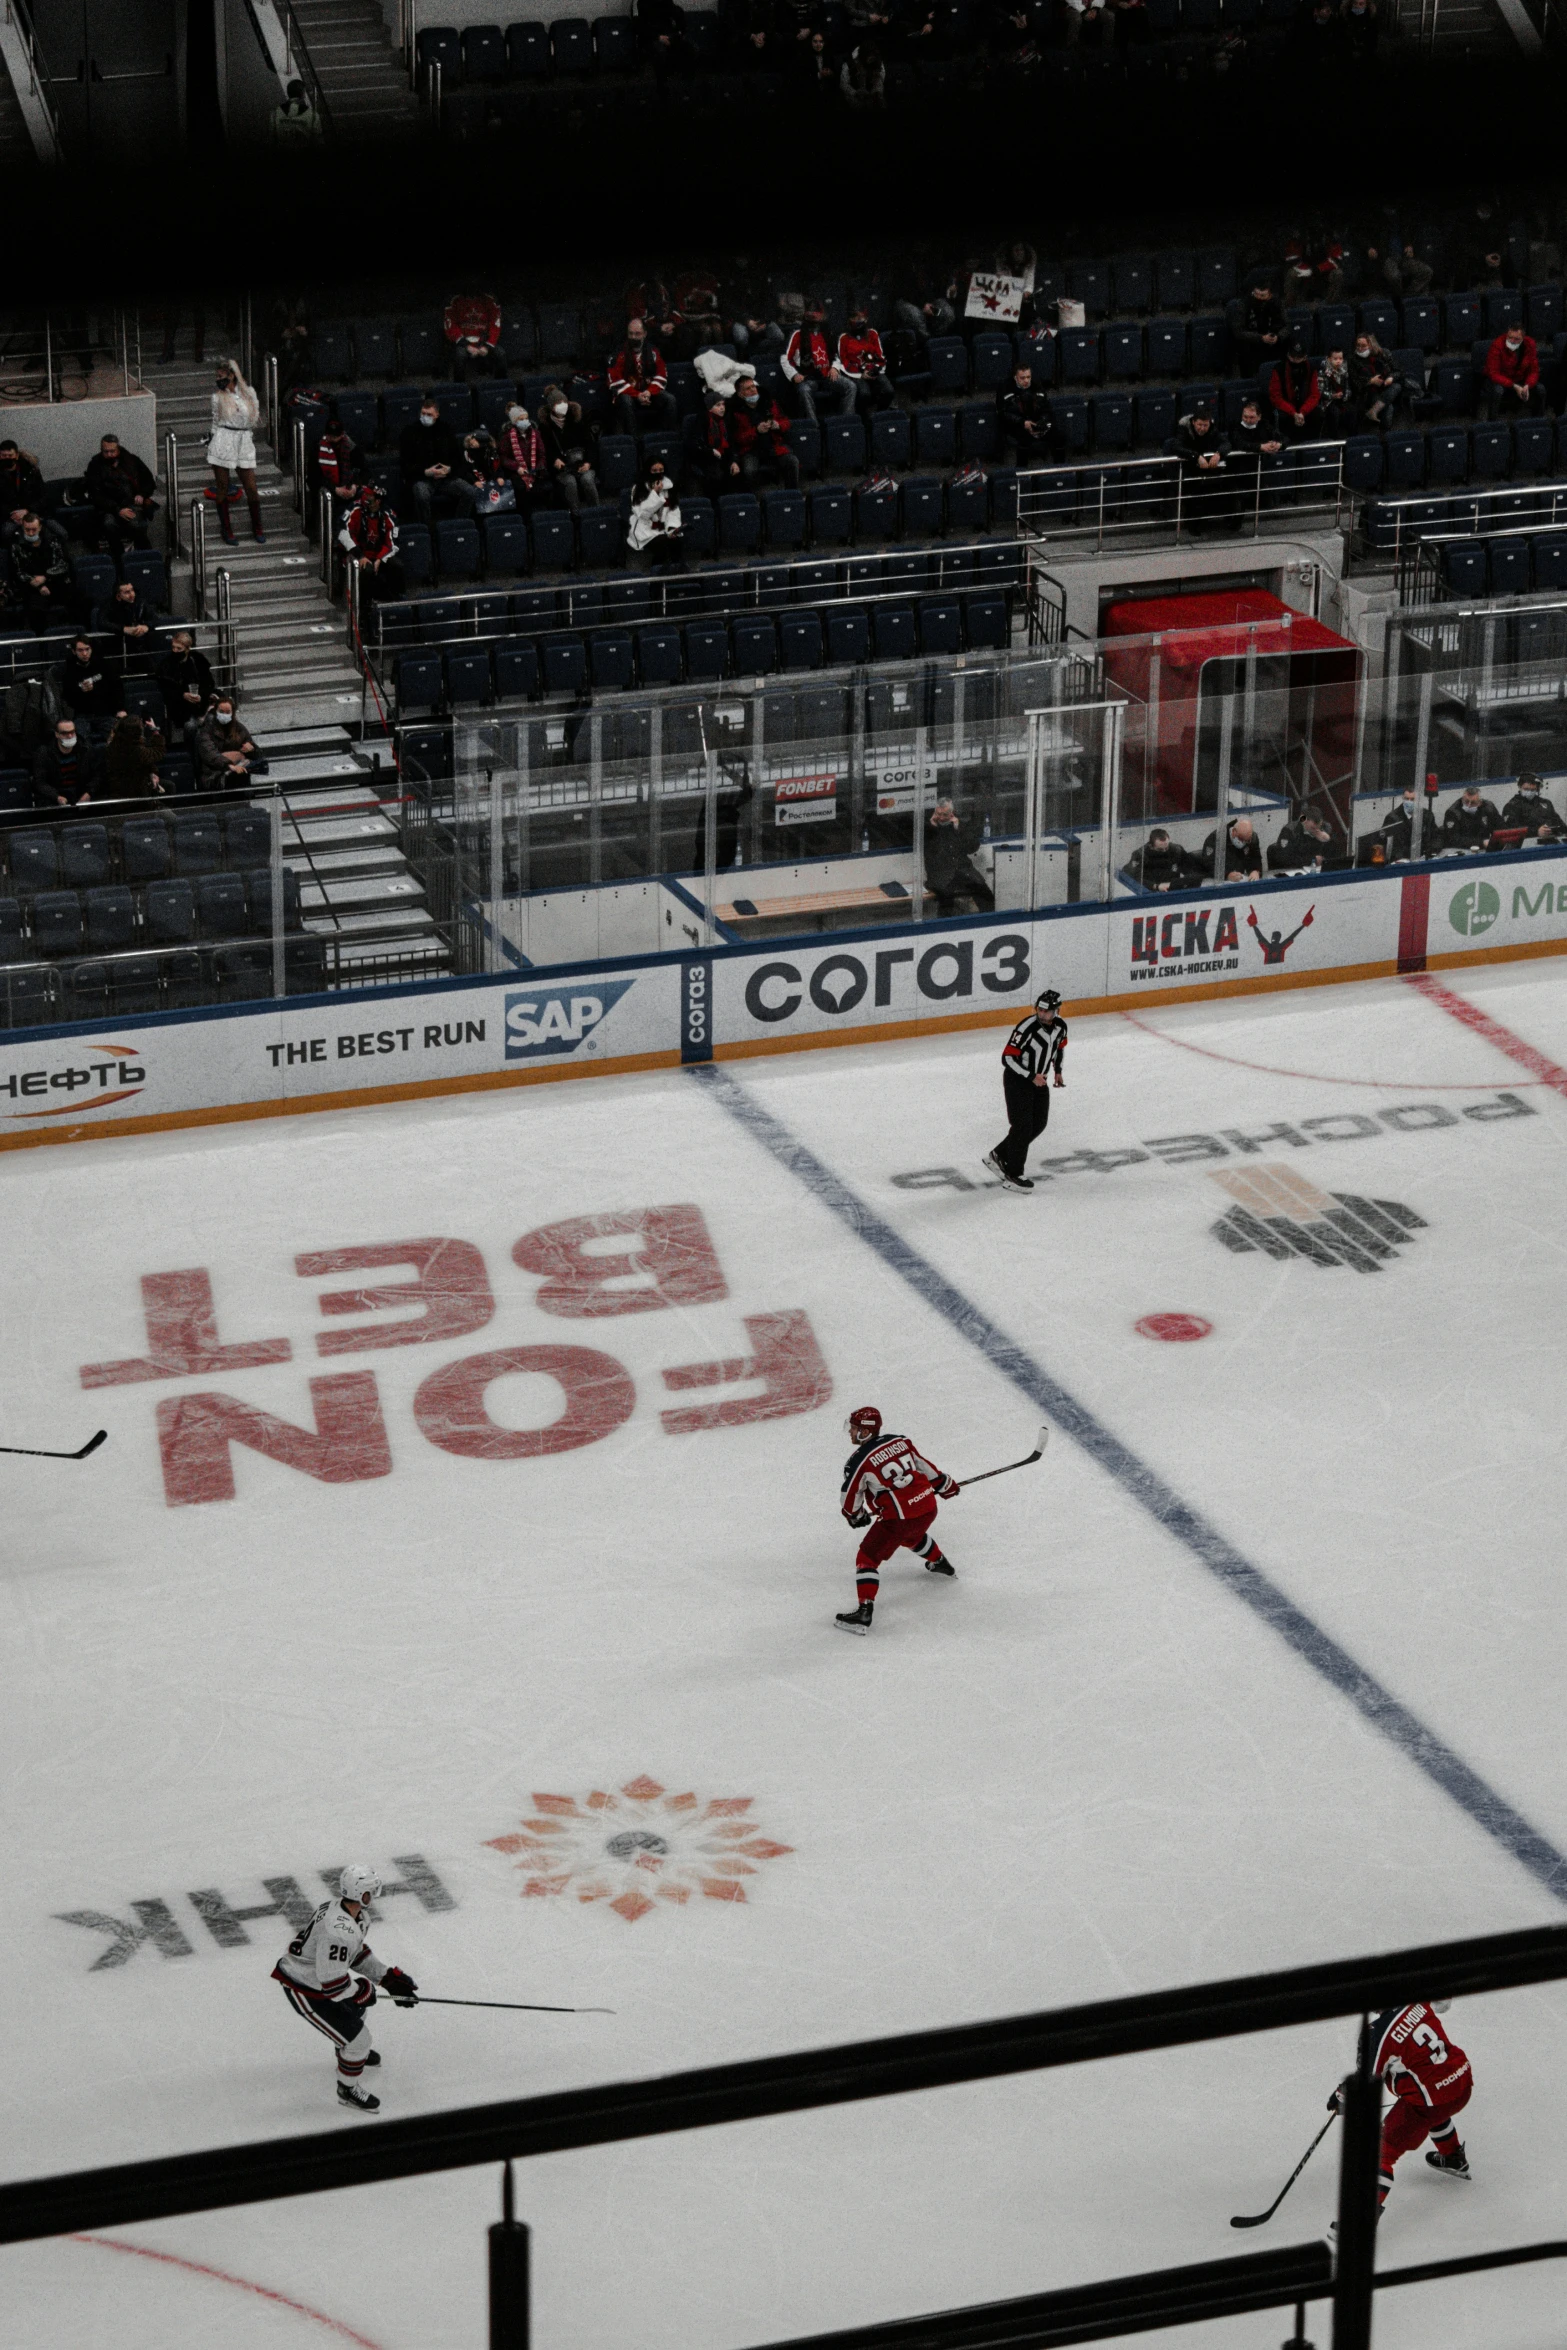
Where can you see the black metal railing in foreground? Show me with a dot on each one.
(221, 2177)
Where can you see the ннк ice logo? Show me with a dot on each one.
(557, 1019)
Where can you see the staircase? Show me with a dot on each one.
(362, 79)
(16, 146)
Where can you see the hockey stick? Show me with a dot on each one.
(27, 1452)
(1290, 2181)
(512, 2006)
(1026, 1462)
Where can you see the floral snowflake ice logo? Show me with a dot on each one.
(637, 1846)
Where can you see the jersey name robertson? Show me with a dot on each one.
(892, 1480)
(322, 1956)
(1035, 1046)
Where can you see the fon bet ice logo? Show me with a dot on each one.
(638, 1846)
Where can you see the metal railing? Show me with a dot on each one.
(43, 127)
(812, 2080)
(1402, 527)
(299, 53)
(1166, 499)
(198, 556)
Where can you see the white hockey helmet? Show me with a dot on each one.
(359, 1884)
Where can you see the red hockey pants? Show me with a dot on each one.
(1407, 2121)
(881, 1540)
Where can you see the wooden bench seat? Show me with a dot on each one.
(826, 909)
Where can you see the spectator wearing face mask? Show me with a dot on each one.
(1336, 416)
(1530, 808)
(41, 574)
(520, 453)
(639, 383)
(567, 437)
(1512, 376)
(656, 534)
(369, 538)
(1398, 829)
(1295, 393)
(337, 462)
(67, 770)
(808, 363)
(185, 678)
(716, 466)
(863, 362)
(225, 753)
(1373, 382)
(85, 686)
(1470, 821)
(236, 412)
(759, 436)
(434, 471)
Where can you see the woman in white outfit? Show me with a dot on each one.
(235, 414)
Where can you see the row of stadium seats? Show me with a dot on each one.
(754, 644)
(165, 913)
(174, 979)
(136, 849)
(1510, 564)
(1392, 524)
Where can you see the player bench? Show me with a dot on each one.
(824, 909)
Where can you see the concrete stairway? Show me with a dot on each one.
(362, 79)
(338, 836)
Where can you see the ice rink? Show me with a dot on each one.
(1262, 1663)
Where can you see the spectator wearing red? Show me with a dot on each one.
(639, 382)
(863, 361)
(810, 366)
(337, 461)
(1512, 375)
(521, 455)
(759, 436)
(717, 465)
(369, 539)
(1294, 393)
(472, 326)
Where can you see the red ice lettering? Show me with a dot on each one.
(786, 1357)
(451, 1409)
(347, 1444)
(452, 1288)
(182, 1337)
(673, 1257)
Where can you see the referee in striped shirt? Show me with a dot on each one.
(1032, 1054)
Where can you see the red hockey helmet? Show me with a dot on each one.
(864, 1424)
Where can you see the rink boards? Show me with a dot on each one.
(333, 1051)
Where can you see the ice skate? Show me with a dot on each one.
(940, 1565)
(856, 1619)
(1012, 1182)
(350, 2093)
(1451, 2166)
(374, 2057)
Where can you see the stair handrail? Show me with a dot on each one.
(171, 499)
(43, 127)
(324, 519)
(299, 467)
(299, 51)
(228, 640)
(270, 397)
(198, 556)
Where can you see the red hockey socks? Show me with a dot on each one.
(866, 1587)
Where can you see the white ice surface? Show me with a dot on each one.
(1082, 1769)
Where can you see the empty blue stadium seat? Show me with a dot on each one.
(467, 672)
(848, 637)
(800, 640)
(1156, 415)
(612, 659)
(1111, 418)
(889, 438)
(701, 526)
(739, 523)
(1069, 414)
(483, 53)
(1216, 274)
(1078, 354)
(1543, 312)
(84, 855)
(601, 536)
(658, 655)
(528, 52)
(1447, 453)
(1534, 445)
(1207, 346)
(57, 922)
(627, 600)
(1549, 552)
(554, 541)
(986, 620)
(359, 413)
(936, 436)
(1123, 352)
(1464, 316)
(1491, 452)
(894, 633)
(1464, 566)
(843, 444)
(375, 346)
(1003, 498)
(457, 549)
(1363, 461)
(571, 39)
(1088, 282)
(111, 920)
(1421, 322)
(1451, 384)
(615, 44)
(505, 544)
(977, 429)
(198, 845)
(1503, 308)
(144, 848)
(247, 836)
(1165, 340)
(968, 504)
(418, 680)
(1132, 278)
(875, 512)
(941, 625)
(1510, 566)
(993, 361)
(516, 665)
(755, 641)
(417, 554)
(441, 45)
(617, 462)
(143, 566)
(565, 664)
(221, 911)
(832, 516)
(1335, 326)
(1404, 459)
(707, 650)
(1175, 277)
(784, 513)
(947, 358)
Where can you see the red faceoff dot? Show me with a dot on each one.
(1174, 1326)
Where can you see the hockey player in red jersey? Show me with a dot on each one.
(892, 1491)
(314, 1972)
(1428, 2073)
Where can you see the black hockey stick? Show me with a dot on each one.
(27, 1452)
(1026, 1462)
(512, 2006)
(1290, 2181)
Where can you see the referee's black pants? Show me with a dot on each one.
(1028, 1113)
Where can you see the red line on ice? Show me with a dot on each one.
(198, 2268)
(1528, 1056)
(1312, 1076)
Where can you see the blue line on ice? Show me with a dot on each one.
(1317, 1648)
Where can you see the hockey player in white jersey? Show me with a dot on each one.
(316, 1972)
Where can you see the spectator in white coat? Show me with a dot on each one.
(236, 412)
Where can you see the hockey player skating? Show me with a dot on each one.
(1033, 1051)
(315, 1972)
(1429, 2076)
(892, 1491)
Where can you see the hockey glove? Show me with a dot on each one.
(1336, 2101)
(861, 1518)
(401, 1989)
(364, 1992)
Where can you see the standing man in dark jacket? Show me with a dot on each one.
(432, 463)
(1203, 448)
(1258, 325)
(950, 842)
(1023, 422)
(1470, 821)
(1530, 808)
(121, 490)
